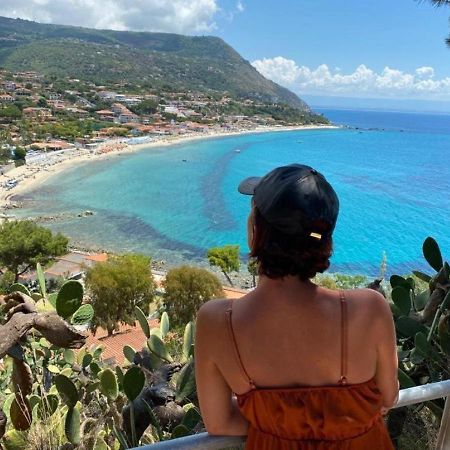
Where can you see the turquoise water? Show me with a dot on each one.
(393, 187)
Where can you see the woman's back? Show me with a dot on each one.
(303, 366)
(306, 363)
(293, 338)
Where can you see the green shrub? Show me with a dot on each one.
(186, 289)
(116, 287)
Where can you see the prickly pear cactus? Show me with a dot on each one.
(421, 309)
(69, 298)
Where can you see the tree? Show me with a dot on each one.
(5, 154)
(442, 3)
(42, 103)
(23, 244)
(11, 112)
(252, 267)
(226, 258)
(146, 107)
(20, 153)
(116, 287)
(186, 289)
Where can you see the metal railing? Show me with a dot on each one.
(410, 396)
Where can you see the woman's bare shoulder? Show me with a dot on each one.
(212, 307)
(370, 301)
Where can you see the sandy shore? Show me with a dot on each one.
(33, 175)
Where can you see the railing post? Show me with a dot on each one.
(443, 442)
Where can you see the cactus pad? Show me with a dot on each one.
(133, 382)
(108, 384)
(72, 426)
(83, 315)
(157, 346)
(129, 353)
(67, 390)
(432, 253)
(19, 287)
(47, 406)
(20, 413)
(143, 322)
(69, 298)
(165, 324)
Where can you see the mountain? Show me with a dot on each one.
(159, 60)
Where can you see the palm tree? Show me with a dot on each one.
(442, 3)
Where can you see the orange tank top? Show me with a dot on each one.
(337, 417)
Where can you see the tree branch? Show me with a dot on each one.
(14, 329)
(24, 270)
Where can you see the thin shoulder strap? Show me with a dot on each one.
(234, 344)
(343, 379)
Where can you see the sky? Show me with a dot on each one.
(383, 53)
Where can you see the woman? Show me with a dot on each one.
(293, 365)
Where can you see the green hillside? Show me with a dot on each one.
(159, 60)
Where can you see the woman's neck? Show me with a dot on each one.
(287, 285)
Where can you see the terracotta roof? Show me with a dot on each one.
(133, 335)
(98, 257)
(234, 292)
(113, 345)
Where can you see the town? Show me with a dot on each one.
(43, 117)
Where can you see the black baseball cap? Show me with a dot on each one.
(295, 199)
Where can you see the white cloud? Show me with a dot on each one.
(240, 6)
(177, 16)
(362, 82)
(425, 72)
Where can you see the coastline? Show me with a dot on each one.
(30, 176)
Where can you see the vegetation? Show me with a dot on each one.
(10, 112)
(422, 322)
(146, 107)
(252, 267)
(277, 111)
(23, 244)
(226, 258)
(20, 153)
(442, 3)
(52, 397)
(116, 287)
(65, 129)
(5, 154)
(159, 60)
(186, 289)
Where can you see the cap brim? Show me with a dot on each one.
(247, 186)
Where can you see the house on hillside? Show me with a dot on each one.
(128, 117)
(22, 92)
(69, 267)
(6, 98)
(73, 265)
(9, 86)
(106, 114)
(37, 113)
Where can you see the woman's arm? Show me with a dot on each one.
(218, 406)
(387, 361)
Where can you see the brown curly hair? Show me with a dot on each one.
(278, 254)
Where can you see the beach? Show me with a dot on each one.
(33, 175)
(174, 202)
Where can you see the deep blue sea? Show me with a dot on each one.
(391, 172)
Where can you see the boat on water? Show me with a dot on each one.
(237, 150)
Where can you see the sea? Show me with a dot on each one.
(391, 171)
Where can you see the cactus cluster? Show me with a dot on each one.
(91, 404)
(422, 323)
